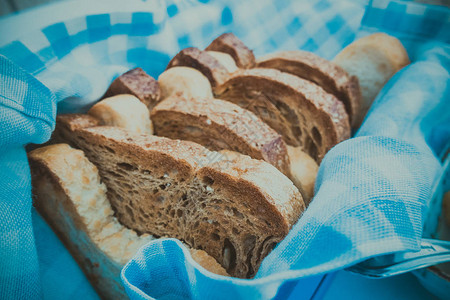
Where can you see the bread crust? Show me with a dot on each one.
(230, 44)
(301, 111)
(138, 83)
(332, 78)
(218, 124)
(373, 59)
(202, 61)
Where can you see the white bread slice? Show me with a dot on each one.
(373, 60)
(68, 192)
(225, 59)
(185, 81)
(236, 211)
(125, 111)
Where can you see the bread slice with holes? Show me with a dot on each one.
(332, 78)
(236, 211)
(301, 111)
(69, 194)
(230, 44)
(218, 124)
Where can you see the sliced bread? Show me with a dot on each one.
(332, 78)
(230, 44)
(218, 124)
(301, 111)
(68, 192)
(234, 210)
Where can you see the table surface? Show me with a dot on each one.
(344, 285)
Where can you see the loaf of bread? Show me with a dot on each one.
(329, 76)
(373, 60)
(302, 112)
(218, 124)
(234, 210)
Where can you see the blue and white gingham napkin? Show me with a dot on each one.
(371, 191)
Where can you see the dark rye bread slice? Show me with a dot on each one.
(236, 211)
(301, 111)
(230, 44)
(218, 124)
(138, 83)
(202, 61)
(332, 78)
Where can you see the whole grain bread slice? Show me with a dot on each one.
(236, 211)
(218, 124)
(230, 44)
(202, 61)
(68, 192)
(301, 111)
(137, 83)
(332, 78)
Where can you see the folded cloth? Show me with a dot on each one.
(371, 191)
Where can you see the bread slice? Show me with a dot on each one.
(230, 44)
(185, 81)
(218, 124)
(125, 111)
(138, 83)
(373, 60)
(225, 59)
(332, 78)
(202, 61)
(68, 192)
(235, 211)
(302, 112)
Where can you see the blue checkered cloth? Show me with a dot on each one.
(371, 191)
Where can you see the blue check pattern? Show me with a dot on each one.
(371, 193)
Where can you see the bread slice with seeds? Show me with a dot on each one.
(218, 124)
(301, 111)
(332, 78)
(236, 211)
